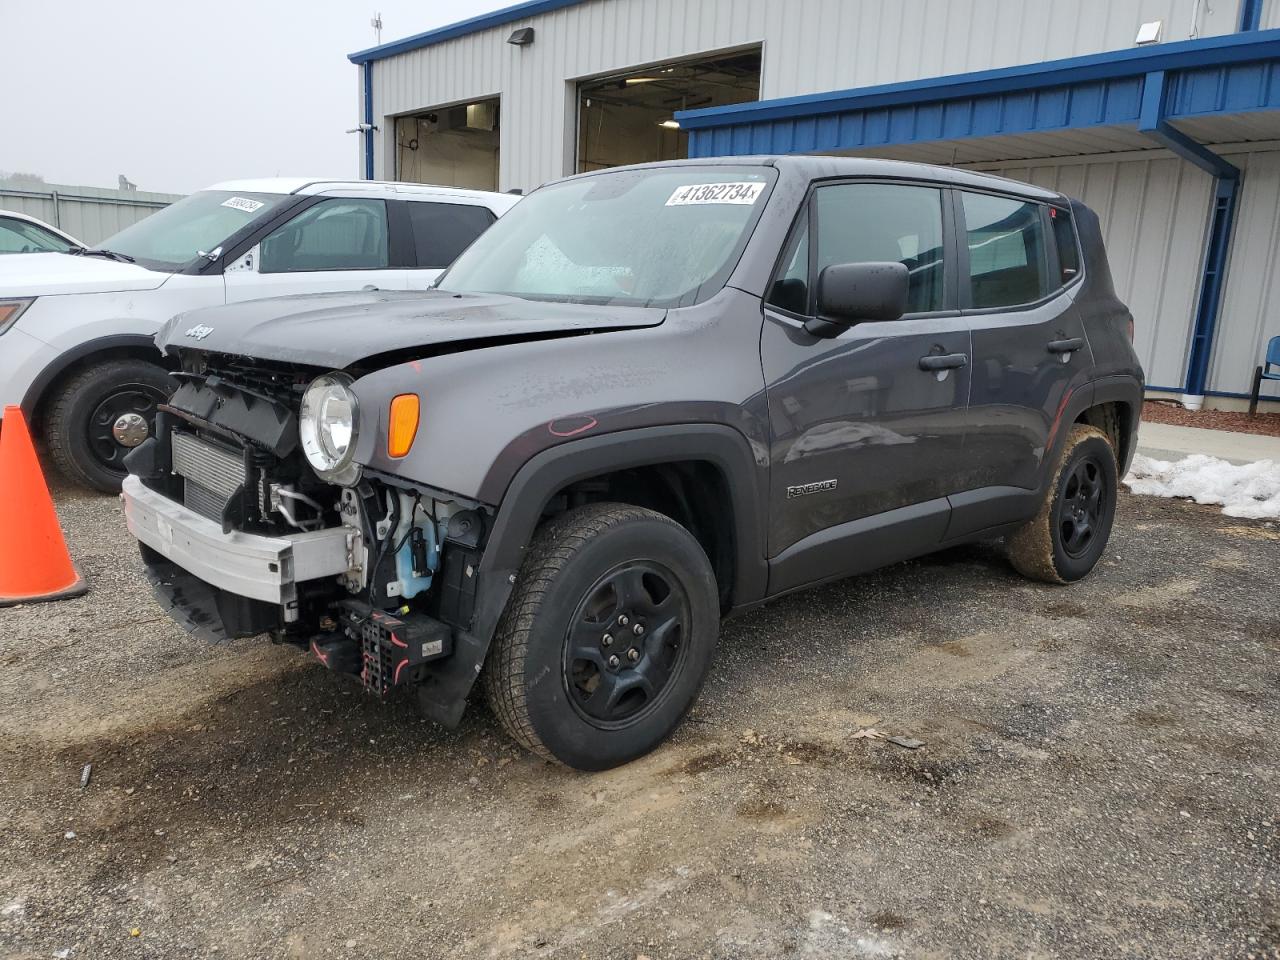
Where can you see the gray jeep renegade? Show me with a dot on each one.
(645, 399)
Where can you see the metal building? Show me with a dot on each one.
(1163, 115)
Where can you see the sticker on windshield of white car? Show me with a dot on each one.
(243, 203)
(715, 193)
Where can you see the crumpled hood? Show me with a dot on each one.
(49, 274)
(338, 329)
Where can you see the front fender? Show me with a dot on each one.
(533, 486)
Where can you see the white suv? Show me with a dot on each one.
(76, 328)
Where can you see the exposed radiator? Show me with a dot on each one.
(211, 474)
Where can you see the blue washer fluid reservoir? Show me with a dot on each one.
(410, 584)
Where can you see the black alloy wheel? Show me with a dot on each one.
(1081, 506)
(624, 644)
(606, 638)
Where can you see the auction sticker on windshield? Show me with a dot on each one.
(243, 203)
(715, 193)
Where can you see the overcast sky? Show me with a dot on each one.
(178, 95)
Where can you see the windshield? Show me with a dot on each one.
(171, 238)
(667, 237)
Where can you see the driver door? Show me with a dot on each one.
(337, 243)
(868, 426)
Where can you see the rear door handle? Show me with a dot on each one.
(1066, 346)
(944, 361)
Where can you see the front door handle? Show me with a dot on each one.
(944, 361)
(1066, 346)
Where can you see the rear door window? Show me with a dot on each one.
(1007, 262)
(441, 231)
(334, 234)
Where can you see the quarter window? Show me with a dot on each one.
(790, 290)
(1006, 251)
(441, 231)
(335, 234)
(876, 222)
(1064, 235)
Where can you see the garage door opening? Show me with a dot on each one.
(628, 117)
(451, 146)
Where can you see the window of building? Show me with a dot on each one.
(336, 234)
(441, 231)
(1006, 250)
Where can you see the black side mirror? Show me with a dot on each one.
(850, 293)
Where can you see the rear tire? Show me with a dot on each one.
(607, 636)
(81, 415)
(1066, 538)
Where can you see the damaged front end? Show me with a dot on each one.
(252, 518)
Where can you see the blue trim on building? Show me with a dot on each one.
(1132, 63)
(512, 14)
(367, 69)
(1250, 14)
(1155, 124)
(1156, 99)
(1212, 283)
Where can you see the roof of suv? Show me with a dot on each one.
(363, 188)
(818, 167)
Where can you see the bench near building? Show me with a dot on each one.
(1162, 115)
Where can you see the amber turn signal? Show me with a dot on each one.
(403, 425)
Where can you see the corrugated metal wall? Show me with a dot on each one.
(1251, 304)
(809, 46)
(1154, 210)
(90, 214)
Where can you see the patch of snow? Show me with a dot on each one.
(1251, 491)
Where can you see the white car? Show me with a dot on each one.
(77, 328)
(20, 233)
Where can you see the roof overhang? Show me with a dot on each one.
(1211, 90)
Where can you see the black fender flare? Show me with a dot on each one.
(542, 476)
(1121, 389)
(82, 351)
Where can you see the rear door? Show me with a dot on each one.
(1029, 346)
(872, 420)
(438, 232)
(336, 243)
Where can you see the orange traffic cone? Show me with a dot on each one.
(34, 563)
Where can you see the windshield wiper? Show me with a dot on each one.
(109, 254)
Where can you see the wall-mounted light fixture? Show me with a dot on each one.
(522, 37)
(1149, 32)
(670, 124)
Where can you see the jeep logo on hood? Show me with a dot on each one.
(199, 331)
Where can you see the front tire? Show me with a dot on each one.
(607, 636)
(99, 415)
(1067, 537)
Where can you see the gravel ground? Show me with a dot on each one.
(1099, 779)
(1267, 424)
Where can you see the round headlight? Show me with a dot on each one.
(327, 427)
